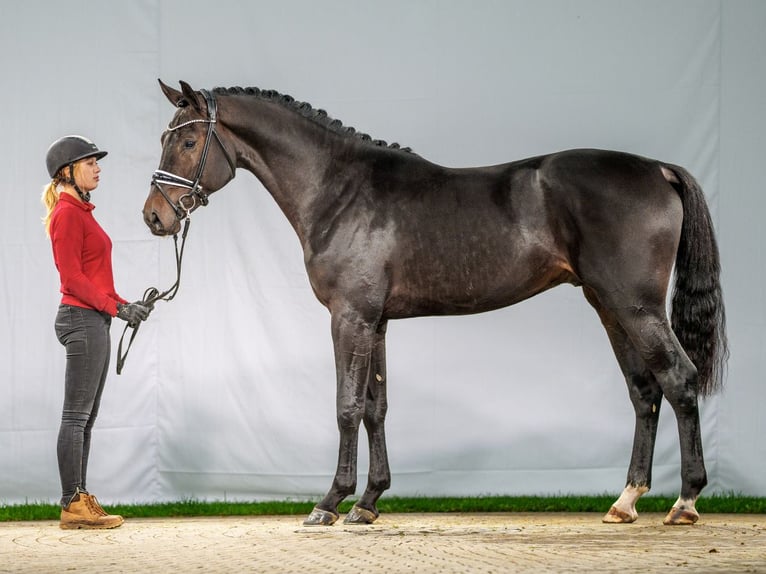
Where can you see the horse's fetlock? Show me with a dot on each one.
(697, 481)
(379, 485)
(344, 487)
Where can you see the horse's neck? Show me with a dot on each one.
(289, 156)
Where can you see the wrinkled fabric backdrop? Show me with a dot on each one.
(229, 391)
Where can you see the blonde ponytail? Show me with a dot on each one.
(49, 198)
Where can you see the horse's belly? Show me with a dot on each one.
(458, 290)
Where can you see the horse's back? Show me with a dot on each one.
(468, 240)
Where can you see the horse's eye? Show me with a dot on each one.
(188, 144)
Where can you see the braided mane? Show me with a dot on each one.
(307, 111)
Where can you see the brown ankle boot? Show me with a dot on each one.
(95, 505)
(85, 512)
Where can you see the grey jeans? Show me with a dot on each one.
(85, 335)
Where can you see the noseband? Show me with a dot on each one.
(196, 192)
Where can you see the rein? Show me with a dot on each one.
(152, 295)
(196, 193)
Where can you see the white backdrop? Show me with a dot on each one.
(229, 390)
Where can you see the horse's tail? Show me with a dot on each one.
(698, 317)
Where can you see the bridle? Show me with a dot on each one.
(196, 194)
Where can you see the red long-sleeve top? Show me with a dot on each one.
(82, 252)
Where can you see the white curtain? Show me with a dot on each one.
(229, 390)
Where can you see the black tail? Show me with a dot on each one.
(698, 317)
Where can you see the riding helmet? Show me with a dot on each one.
(69, 149)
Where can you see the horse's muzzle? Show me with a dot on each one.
(155, 225)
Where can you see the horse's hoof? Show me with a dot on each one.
(359, 515)
(319, 517)
(617, 516)
(681, 517)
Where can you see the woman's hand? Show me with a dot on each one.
(133, 313)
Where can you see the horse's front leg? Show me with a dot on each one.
(365, 511)
(353, 342)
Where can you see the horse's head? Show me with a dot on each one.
(192, 165)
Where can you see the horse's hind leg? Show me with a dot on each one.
(677, 377)
(648, 329)
(646, 397)
(365, 511)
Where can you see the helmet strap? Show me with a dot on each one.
(85, 196)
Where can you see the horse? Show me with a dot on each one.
(387, 234)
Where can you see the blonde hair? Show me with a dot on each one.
(49, 198)
(51, 193)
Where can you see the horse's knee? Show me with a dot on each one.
(374, 417)
(349, 418)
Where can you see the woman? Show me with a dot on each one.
(82, 252)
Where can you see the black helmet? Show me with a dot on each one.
(70, 149)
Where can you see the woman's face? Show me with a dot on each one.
(86, 174)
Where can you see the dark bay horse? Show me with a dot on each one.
(387, 234)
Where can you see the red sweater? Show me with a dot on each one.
(82, 252)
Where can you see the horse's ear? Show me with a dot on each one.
(174, 96)
(191, 96)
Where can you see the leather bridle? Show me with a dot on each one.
(196, 193)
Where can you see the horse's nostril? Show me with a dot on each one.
(154, 221)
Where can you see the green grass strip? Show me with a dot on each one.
(713, 504)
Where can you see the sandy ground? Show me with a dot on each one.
(497, 542)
